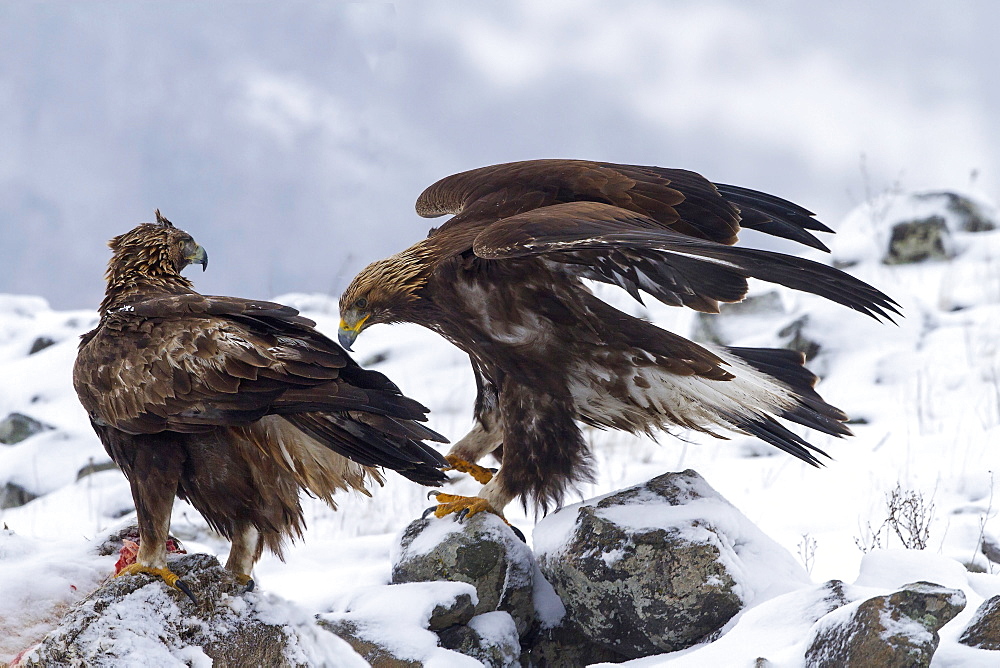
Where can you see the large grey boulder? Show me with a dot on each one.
(659, 566)
(898, 630)
(482, 551)
(984, 629)
(138, 620)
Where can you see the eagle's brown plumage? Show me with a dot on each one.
(233, 404)
(502, 280)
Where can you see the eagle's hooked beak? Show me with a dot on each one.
(197, 255)
(350, 326)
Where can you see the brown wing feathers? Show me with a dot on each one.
(629, 250)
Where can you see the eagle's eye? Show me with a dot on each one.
(361, 303)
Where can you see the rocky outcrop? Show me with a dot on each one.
(898, 630)
(403, 625)
(16, 427)
(984, 629)
(491, 638)
(482, 551)
(138, 620)
(451, 606)
(919, 241)
(968, 215)
(13, 495)
(656, 567)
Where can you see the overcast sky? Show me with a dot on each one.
(291, 139)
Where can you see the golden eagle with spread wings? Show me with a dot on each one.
(502, 280)
(232, 404)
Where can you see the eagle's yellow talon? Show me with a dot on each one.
(245, 580)
(172, 579)
(481, 474)
(467, 506)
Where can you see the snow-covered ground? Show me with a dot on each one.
(924, 396)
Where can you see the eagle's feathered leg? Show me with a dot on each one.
(550, 453)
(154, 475)
(484, 437)
(247, 546)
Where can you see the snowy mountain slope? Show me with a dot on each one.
(924, 396)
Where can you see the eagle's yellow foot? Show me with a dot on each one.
(164, 574)
(245, 580)
(466, 506)
(481, 474)
(462, 506)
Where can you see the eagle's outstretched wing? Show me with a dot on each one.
(673, 199)
(613, 245)
(195, 363)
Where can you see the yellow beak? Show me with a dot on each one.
(347, 333)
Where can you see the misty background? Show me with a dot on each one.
(291, 139)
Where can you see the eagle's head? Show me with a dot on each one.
(383, 293)
(151, 255)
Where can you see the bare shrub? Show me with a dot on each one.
(908, 517)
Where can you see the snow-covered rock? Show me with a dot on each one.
(482, 551)
(984, 629)
(923, 398)
(394, 625)
(899, 630)
(136, 620)
(659, 566)
(16, 427)
(491, 638)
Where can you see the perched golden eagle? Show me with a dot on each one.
(233, 404)
(502, 281)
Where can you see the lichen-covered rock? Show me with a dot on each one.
(984, 629)
(564, 645)
(482, 551)
(919, 241)
(658, 566)
(894, 631)
(16, 427)
(138, 620)
(491, 638)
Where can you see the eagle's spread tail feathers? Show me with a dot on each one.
(760, 385)
(807, 407)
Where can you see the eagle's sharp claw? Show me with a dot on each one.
(165, 574)
(180, 584)
(429, 511)
(462, 514)
(246, 580)
(518, 533)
